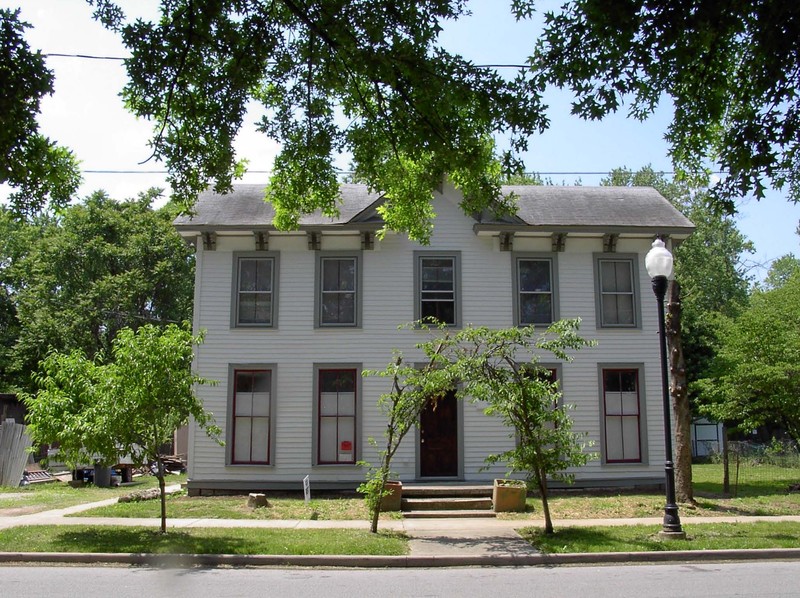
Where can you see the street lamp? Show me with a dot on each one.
(658, 262)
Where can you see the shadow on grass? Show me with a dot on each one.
(734, 510)
(587, 539)
(144, 541)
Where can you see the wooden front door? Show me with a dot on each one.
(438, 438)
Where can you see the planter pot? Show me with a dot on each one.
(509, 495)
(392, 501)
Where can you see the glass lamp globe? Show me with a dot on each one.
(658, 260)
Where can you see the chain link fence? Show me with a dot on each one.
(753, 467)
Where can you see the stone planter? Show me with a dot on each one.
(509, 495)
(392, 501)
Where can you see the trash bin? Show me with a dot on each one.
(102, 476)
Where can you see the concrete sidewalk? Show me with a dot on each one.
(433, 542)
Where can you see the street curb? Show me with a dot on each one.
(368, 561)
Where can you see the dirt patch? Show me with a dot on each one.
(17, 511)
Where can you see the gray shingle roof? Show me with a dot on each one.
(596, 206)
(538, 206)
(245, 207)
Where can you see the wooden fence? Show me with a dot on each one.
(14, 445)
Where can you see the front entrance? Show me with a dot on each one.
(438, 438)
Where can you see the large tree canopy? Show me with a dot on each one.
(730, 69)
(755, 379)
(39, 170)
(102, 266)
(365, 77)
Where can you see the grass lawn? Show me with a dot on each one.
(235, 507)
(58, 495)
(768, 496)
(644, 538)
(76, 538)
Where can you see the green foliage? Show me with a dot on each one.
(344, 76)
(103, 265)
(39, 171)
(412, 390)
(755, 378)
(501, 368)
(781, 270)
(730, 70)
(129, 406)
(709, 265)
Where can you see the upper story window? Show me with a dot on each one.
(437, 287)
(255, 286)
(338, 283)
(535, 290)
(617, 284)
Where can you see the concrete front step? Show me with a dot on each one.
(447, 514)
(445, 490)
(445, 503)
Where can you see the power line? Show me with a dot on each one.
(347, 172)
(85, 56)
(120, 59)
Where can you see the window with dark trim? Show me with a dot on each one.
(336, 412)
(616, 292)
(252, 415)
(254, 293)
(437, 288)
(622, 416)
(338, 291)
(535, 292)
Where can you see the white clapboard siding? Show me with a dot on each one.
(295, 346)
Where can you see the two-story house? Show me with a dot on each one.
(293, 318)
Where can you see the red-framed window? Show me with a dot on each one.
(622, 416)
(252, 417)
(336, 409)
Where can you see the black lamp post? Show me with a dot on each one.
(658, 262)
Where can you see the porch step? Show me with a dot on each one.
(447, 514)
(446, 490)
(446, 503)
(446, 500)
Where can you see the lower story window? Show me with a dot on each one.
(622, 415)
(251, 416)
(336, 442)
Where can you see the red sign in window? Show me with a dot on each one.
(346, 446)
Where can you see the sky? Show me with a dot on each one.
(86, 114)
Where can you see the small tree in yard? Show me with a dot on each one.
(502, 368)
(413, 389)
(129, 406)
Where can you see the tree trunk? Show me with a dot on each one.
(162, 488)
(726, 469)
(679, 393)
(542, 483)
(376, 510)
